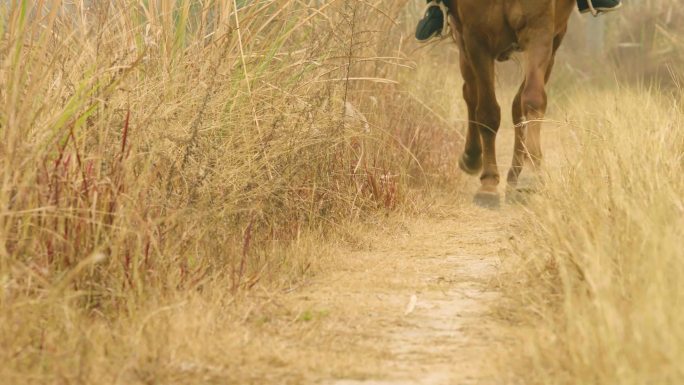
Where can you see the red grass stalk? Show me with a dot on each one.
(124, 139)
(246, 241)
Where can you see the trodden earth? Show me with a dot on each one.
(418, 305)
(427, 297)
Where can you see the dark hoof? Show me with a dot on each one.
(518, 196)
(469, 164)
(523, 190)
(488, 200)
(527, 190)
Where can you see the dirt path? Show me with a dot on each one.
(414, 301)
(415, 309)
(416, 306)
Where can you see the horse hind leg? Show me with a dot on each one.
(533, 99)
(528, 140)
(527, 119)
(519, 148)
(529, 108)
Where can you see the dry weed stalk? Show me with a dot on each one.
(190, 146)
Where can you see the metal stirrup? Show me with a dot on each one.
(593, 10)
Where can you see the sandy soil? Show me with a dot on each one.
(414, 304)
(425, 297)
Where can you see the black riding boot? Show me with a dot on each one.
(432, 23)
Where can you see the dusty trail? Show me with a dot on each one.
(413, 304)
(426, 297)
(413, 307)
(417, 307)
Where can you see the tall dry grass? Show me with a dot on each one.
(159, 158)
(598, 281)
(596, 277)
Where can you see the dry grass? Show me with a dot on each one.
(595, 283)
(163, 162)
(600, 269)
(171, 169)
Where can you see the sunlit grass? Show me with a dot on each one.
(600, 282)
(169, 167)
(153, 151)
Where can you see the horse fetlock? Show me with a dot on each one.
(529, 182)
(512, 177)
(523, 188)
(489, 179)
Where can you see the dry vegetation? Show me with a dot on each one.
(598, 277)
(160, 159)
(169, 169)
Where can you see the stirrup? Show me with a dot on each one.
(595, 12)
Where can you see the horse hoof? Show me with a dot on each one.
(523, 190)
(470, 165)
(518, 196)
(488, 200)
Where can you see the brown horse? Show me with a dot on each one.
(491, 30)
